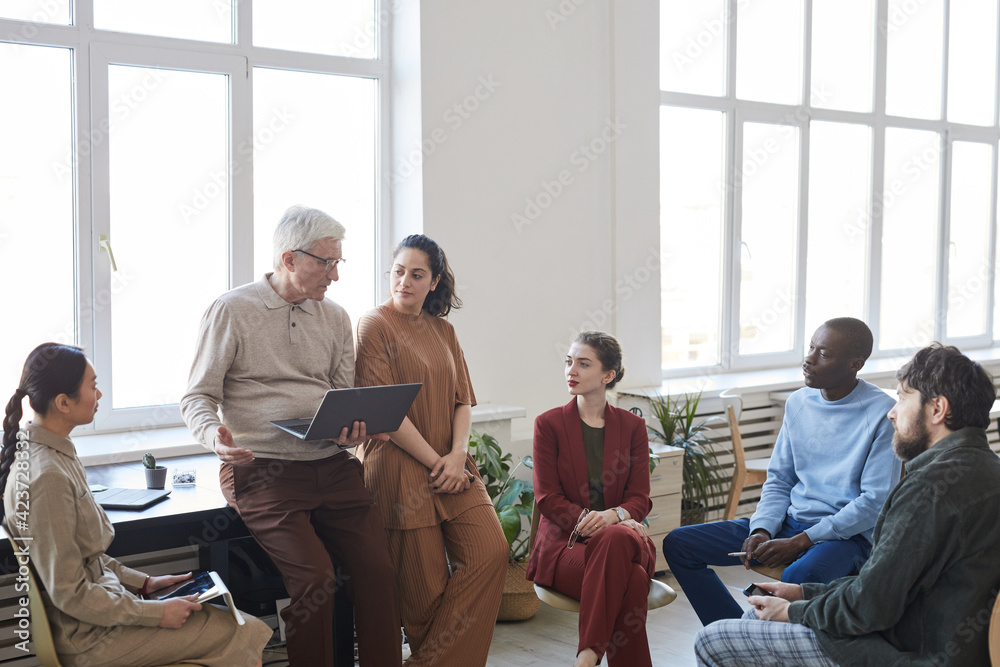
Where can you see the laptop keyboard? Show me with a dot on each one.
(300, 429)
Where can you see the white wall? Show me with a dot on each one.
(535, 82)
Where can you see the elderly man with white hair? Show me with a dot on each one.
(270, 350)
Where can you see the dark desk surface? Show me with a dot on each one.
(191, 515)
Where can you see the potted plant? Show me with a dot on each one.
(703, 478)
(156, 476)
(512, 498)
(654, 459)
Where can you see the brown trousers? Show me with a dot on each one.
(449, 617)
(307, 516)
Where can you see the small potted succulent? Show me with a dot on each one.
(156, 476)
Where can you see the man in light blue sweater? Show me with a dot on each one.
(831, 471)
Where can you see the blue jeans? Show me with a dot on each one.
(689, 551)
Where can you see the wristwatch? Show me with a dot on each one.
(621, 514)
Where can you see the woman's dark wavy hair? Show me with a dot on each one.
(443, 299)
(609, 352)
(51, 369)
(939, 370)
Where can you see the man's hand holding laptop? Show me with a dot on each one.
(356, 436)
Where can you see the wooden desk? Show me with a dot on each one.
(191, 516)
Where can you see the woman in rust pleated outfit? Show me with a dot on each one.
(444, 537)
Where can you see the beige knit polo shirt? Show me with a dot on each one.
(260, 358)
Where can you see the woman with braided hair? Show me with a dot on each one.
(93, 602)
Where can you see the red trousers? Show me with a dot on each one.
(609, 574)
(308, 515)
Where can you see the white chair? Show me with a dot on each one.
(660, 595)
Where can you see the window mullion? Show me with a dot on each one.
(943, 240)
(991, 269)
(99, 183)
(799, 325)
(873, 307)
(89, 258)
(945, 74)
(731, 351)
(942, 279)
(241, 222)
(730, 334)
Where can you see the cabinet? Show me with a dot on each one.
(665, 492)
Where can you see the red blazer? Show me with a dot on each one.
(561, 483)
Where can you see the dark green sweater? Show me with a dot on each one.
(926, 594)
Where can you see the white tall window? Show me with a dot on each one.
(851, 171)
(148, 159)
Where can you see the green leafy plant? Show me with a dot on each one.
(148, 461)
(512, 498)
(702, 475)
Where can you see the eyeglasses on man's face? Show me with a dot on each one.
(327, 262)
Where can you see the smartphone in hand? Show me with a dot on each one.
(754, 589)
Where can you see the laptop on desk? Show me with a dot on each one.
(382, 409)
(130, 499)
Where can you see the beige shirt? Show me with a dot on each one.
(261, 359)
(87, 591)
(396, 348)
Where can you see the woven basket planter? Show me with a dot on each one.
(692, 513)
(519, 601)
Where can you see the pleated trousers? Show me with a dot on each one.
(449, 612)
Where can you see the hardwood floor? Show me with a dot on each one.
(549, 639)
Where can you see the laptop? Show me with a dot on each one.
(130, 499)
(381, 409)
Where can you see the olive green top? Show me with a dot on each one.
(593, 446)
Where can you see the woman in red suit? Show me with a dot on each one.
(592, 488)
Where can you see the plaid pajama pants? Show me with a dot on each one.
(748, 642)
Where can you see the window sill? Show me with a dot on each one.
(129, 446)
(881, 372)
